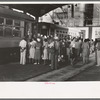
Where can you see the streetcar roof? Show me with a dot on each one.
(13, 14)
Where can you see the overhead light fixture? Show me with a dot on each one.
(30, 15)
(17, 10)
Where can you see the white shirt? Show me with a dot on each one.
(51, 44)
(22, 43)
(73, 44)
(33, 43)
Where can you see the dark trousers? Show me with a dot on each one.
(54, 61)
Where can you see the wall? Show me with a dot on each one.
(79, 29)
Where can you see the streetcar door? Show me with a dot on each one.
(26, 29)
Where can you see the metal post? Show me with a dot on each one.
(99, 16)
(37, 28)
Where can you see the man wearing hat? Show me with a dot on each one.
(57, 49)
(54, 49)
(51, 52)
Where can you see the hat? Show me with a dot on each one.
(56, 38)
(45, 37)
(38, 39)
(41, 35)
(38, 34)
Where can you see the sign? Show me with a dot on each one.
(97, 33)
(83, 34)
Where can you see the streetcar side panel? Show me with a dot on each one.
(13, 27)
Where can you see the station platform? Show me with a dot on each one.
(65, 73)
(17, 72)
(30, 72)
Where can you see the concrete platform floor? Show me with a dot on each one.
(30, 72)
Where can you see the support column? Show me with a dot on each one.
(49, 31)
(90, 32)
(37, 26)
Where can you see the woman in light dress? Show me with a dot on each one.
(45, 51)
(32, 50)
(38, 51)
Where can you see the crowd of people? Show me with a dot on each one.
(53, 51)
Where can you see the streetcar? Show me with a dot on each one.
(13, 27)
(48, 29)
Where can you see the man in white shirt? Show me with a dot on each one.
(73, 43)
(22, 45)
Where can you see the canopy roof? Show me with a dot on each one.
(36, 10)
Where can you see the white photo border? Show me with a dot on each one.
(41, 90)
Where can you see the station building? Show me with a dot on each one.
(83, 17)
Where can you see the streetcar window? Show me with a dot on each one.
(8, 32)
(1, 30)
(18, 28)
(16, 33)
(1, 20)
(9, 21)
(16, 22)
